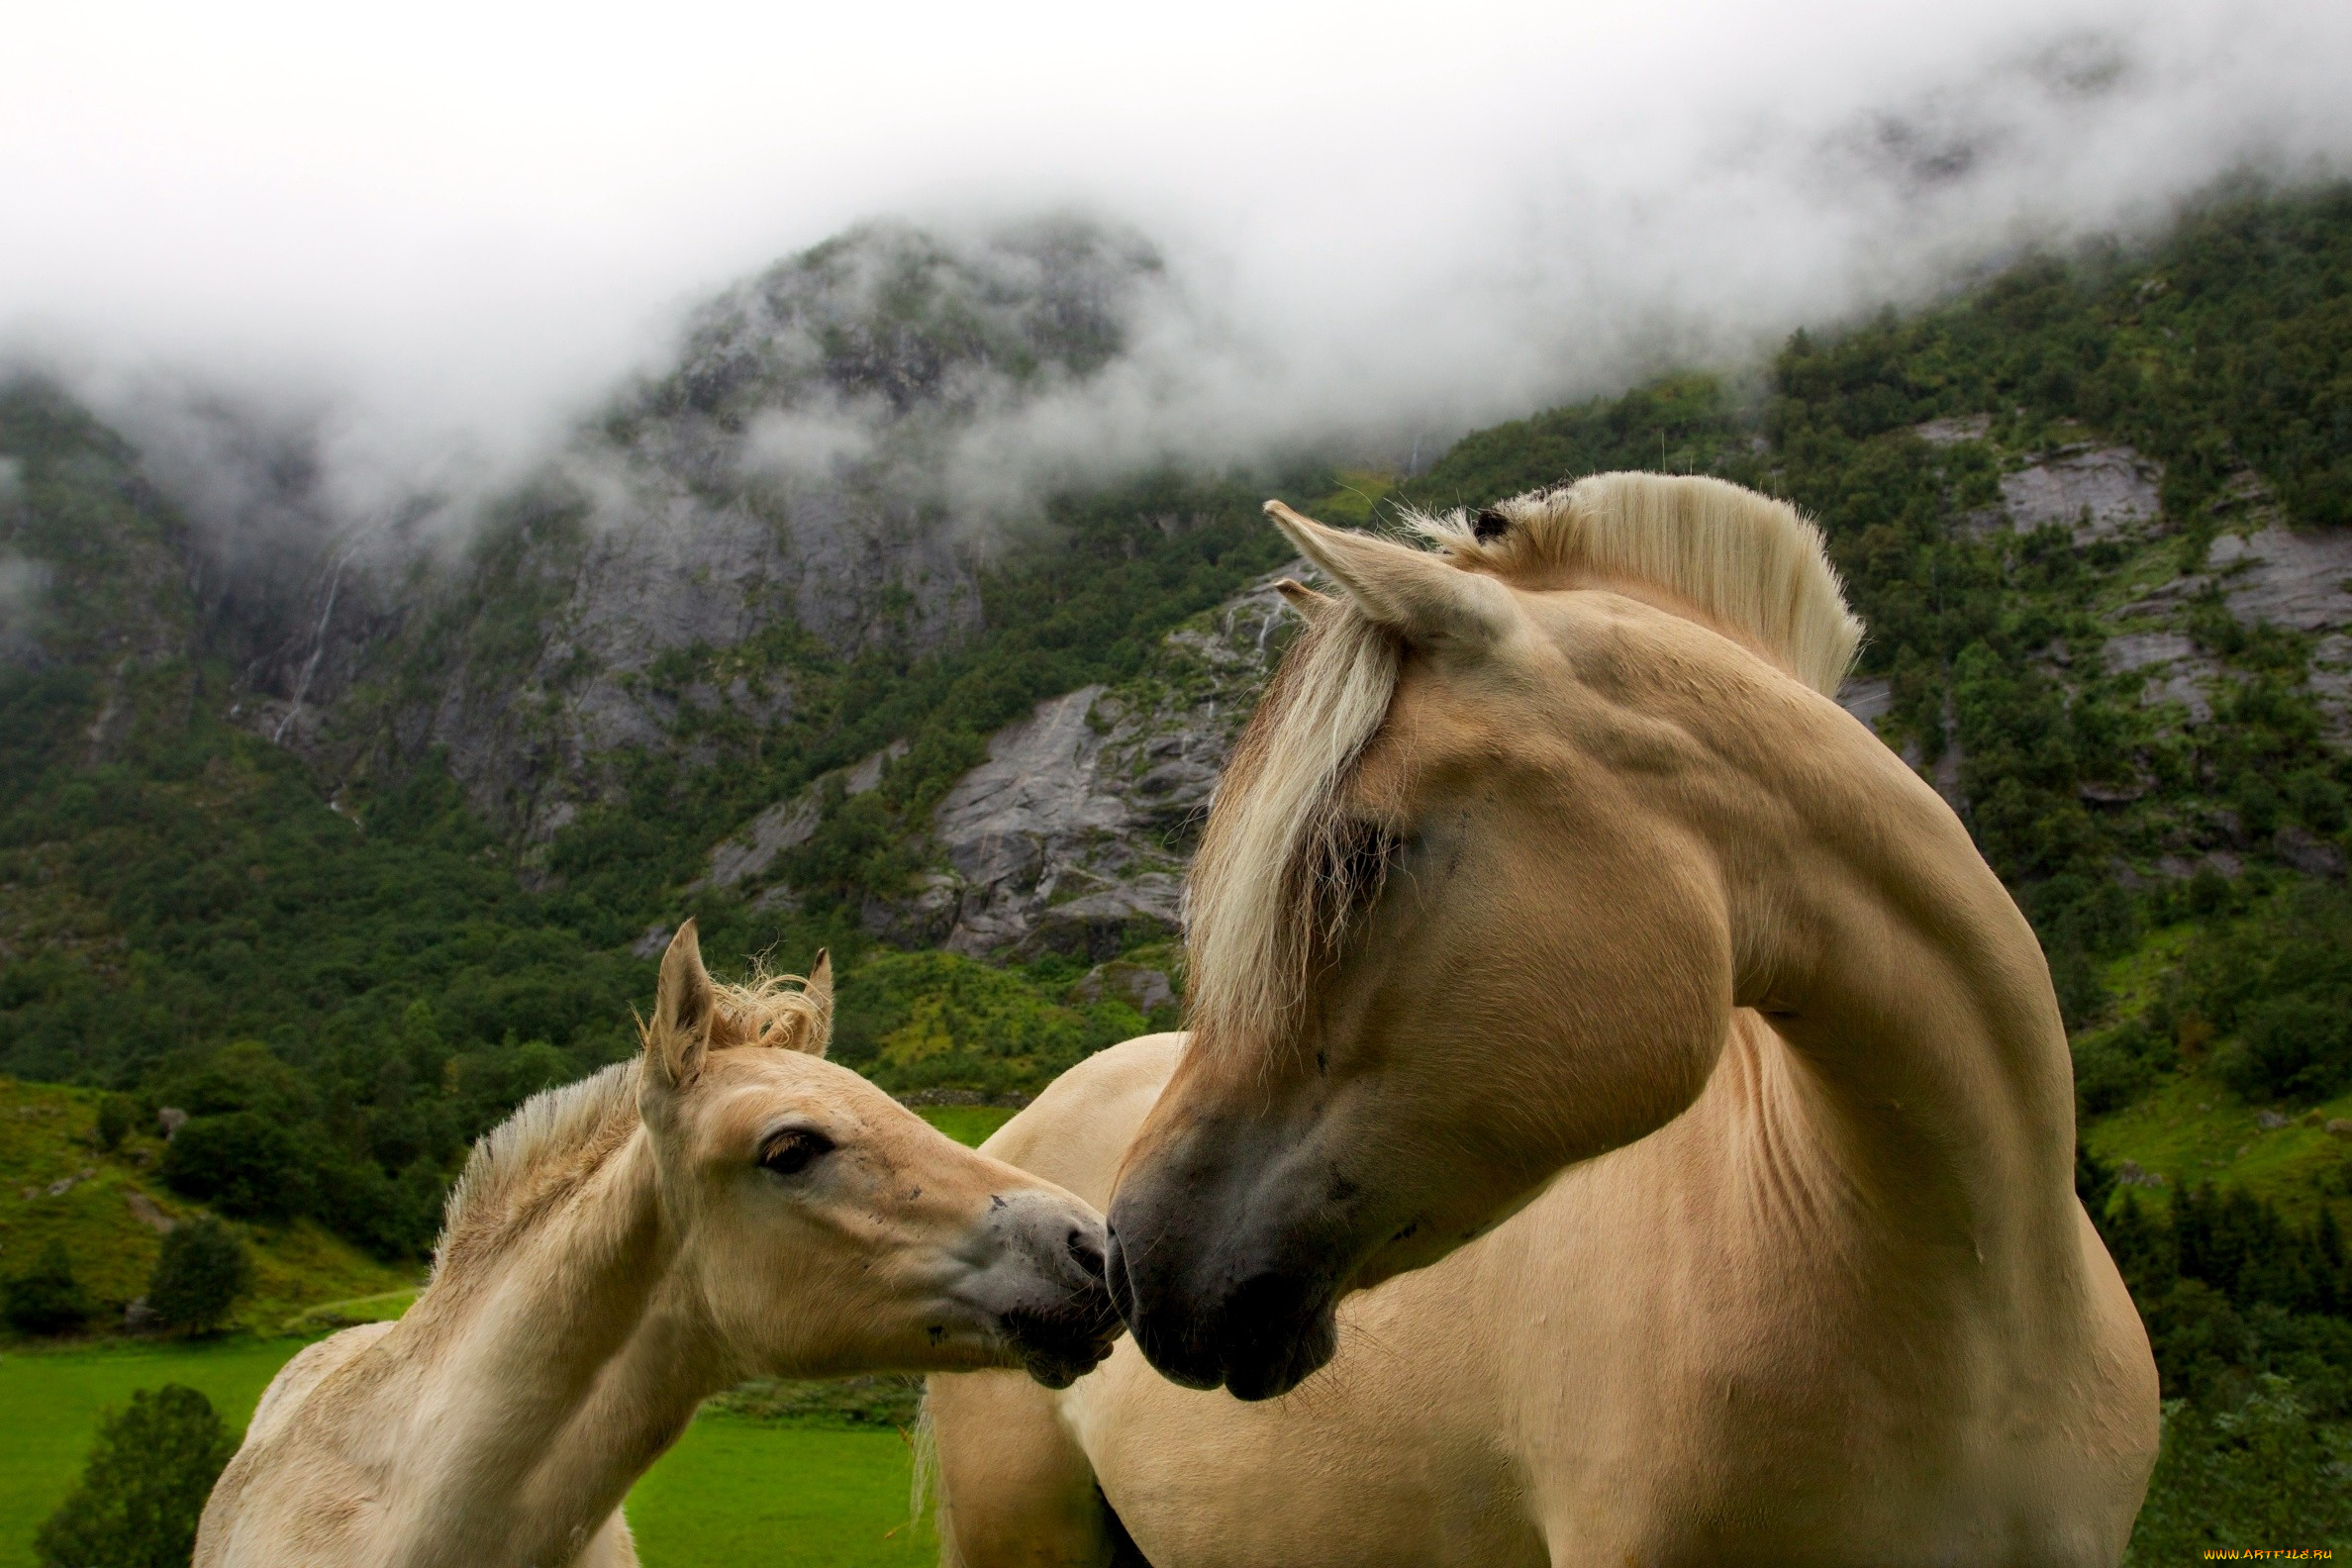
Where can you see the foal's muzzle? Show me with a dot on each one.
(1046, 1292)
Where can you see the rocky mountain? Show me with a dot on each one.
(799, 479)
(761, 644)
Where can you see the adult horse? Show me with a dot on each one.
(1620, 1069)
(726, 1205)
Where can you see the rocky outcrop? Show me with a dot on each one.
(1074, 835)
(2095, 491)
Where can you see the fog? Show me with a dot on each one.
(421, 241)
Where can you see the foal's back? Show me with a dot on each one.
(1587, 1384)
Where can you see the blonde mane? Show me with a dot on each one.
(558, 1137)
(1277, 871)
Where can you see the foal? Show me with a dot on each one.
(726, 1205)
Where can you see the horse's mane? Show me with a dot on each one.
(1276, 872)
(560, 1137)
(1746, 559)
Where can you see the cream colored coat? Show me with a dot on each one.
(1679, 1130)
(727, 1207)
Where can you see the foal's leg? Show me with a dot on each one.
(1015, 1489)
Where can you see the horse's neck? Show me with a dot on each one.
(1893, 964)
(555, 1373)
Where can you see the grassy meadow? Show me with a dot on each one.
(783, 1491)
(734, 1490)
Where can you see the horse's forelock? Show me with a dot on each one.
(1264, 897)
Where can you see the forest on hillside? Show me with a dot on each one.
(342, 992)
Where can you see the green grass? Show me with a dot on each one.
(381, 1308)
(2193, 1129)
(969, 1125)
(737, 1491)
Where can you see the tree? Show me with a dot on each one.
(143, 1488)
(199, 1276)
(50, 1300)
(242, 1163)
(117, 1114)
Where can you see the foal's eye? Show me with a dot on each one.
(790, 1153)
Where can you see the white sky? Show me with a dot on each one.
(468, 218)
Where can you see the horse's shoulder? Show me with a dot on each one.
(1077, 1130)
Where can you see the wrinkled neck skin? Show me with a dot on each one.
(563, 1373)
(1610, 839)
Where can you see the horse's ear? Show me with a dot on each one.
(1416, 595)
(1311, 605)
(684, 1004)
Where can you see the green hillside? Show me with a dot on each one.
(108, 1209)
(2140, 706)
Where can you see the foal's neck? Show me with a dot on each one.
(556, 1374)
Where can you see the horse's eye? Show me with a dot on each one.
(790, 1153)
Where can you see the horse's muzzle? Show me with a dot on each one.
(1260, 1336)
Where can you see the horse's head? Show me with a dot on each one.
(828, 1228)
(1452, 930)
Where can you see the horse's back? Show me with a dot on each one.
(287, 1497)
(1076, 1132)
(220, 1537)
(1015, 1486)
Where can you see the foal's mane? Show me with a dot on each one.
(558, 1137)
(1277, 869)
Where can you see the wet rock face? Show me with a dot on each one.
(2286, 578)
(1868, 699)
(2095, 491)
(1074, 835)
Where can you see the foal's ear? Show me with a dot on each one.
(683, 1006)
(812, 1032)
(1416, 595)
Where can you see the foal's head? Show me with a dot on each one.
(1453, 925)
(828, 1228)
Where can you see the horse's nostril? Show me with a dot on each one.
(1086, 1255)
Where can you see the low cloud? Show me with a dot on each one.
(1370, 232)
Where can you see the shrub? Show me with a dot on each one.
(143, 1489)
(2255, 1475)
(50, 1300)
(2297, 1047)
(202, 1271)
(116, 1115)
(2111, 1069)
(241, 1164)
